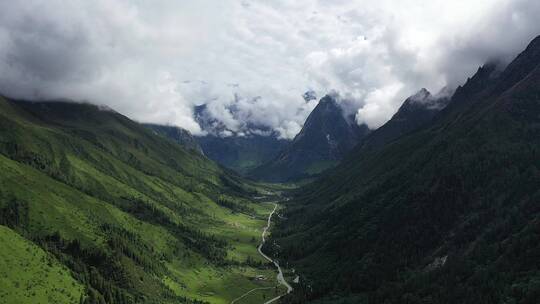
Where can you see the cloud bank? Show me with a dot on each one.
(156, 61)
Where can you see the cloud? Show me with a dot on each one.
(154, 63)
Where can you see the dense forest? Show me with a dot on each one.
(447, 214)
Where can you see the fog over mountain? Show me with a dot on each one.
(156, 61)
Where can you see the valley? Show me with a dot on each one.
(447, 213)
(269, 152)
(125, 225)
(280, 278)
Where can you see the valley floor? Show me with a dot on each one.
(190, 277)
(223, 285)
(281, 281)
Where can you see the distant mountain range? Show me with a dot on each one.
(327, 136)
(241, 151)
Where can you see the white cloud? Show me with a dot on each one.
(154, 62)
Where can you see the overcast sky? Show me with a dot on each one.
(155, 60)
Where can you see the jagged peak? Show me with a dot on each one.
(328, 98)
(423, 98)
(327, 104)
(421, 95)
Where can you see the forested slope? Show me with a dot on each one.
(120, 215)
(447, 214)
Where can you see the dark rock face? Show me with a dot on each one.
(325, 138)
(327, 134)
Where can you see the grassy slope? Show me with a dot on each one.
(147, 206)
(30, 275)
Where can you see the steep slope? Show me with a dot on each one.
(239, 153)
(176, 134)
(134, 217)
(446, 214)
(29, 275)
(325, 138)
(415, 112)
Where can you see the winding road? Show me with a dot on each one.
(281, 280)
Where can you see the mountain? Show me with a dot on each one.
(448, 213)
(325, 138)
(96, 208)
(176, 134)
(415, 112)
(241, 153)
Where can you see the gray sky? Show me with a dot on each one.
(155, 60)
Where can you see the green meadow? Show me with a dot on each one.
(97, 209)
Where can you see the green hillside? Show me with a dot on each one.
(447, 214)
(30, 275)
(117, 214)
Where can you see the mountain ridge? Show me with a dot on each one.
(415, 112)
(445, 214)
(177, 134)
